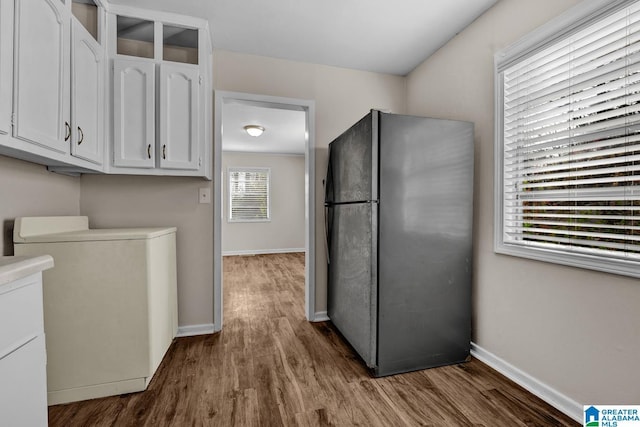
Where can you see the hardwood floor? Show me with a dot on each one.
(270, 367)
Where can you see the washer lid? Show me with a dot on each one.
(97, 235)
(76, 229)
(25, 227)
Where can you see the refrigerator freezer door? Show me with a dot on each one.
(351, 168)
(426, 199)
(352, 284)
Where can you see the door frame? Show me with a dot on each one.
(308, 106)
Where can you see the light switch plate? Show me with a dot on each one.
(204, 195)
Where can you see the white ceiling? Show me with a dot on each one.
(385, 36)
(284, 129)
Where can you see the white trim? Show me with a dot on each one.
(553, 397)
(607, 265)
(191, 330)
(260, 153)
(308, 106)
(558, 28)
(156, 15)
(94, 391)
(263, 251)
(320, 316)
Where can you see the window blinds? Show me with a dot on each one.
(571, 141)
(248, 194)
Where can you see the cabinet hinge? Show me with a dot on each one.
(199, 161)
(200, 79)
(13, 119)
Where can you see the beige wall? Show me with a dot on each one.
(285, 230)
(27, 189)
(341, 96)
(575, 330)
(151, 201)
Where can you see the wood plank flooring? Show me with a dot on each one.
(270, 367)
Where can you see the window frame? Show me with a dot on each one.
(233, 169)
(568, 23)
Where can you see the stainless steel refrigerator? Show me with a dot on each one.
(399, 208)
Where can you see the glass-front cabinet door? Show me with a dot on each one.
(87, 14)
(135, 37)
(179, 44)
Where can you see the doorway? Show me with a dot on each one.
(225, 99)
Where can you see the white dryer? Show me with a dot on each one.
(110, 303)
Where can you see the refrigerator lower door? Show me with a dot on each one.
(352, 282)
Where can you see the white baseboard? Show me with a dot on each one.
(320, 316)
(94, 391)
(191, 330)
(262, 251)
(533, 385)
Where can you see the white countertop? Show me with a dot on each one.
(13, 268)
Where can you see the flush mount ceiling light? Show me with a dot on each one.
(254, 130)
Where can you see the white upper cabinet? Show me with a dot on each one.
(177, 117)
(179, 112)
(134, 113)
(6, 64)
(88, 85)
(41, 74)
(87, 95)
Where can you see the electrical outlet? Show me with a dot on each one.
(204, 195)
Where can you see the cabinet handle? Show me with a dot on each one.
(149, 150)
(81, 135)
(68, 128)
(164, 152)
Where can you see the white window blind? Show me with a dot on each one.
(571, 143)
(249, 194)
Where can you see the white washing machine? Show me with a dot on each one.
(110, 303)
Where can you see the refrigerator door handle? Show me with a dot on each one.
(326, 233)
(329, 188)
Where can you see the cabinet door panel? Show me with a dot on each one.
(87, 94)
(41, 73)
(24, 402)
(6, 64)
(134, 113)
(179, 106)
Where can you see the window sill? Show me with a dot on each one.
(608, 265)
(247, 220)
